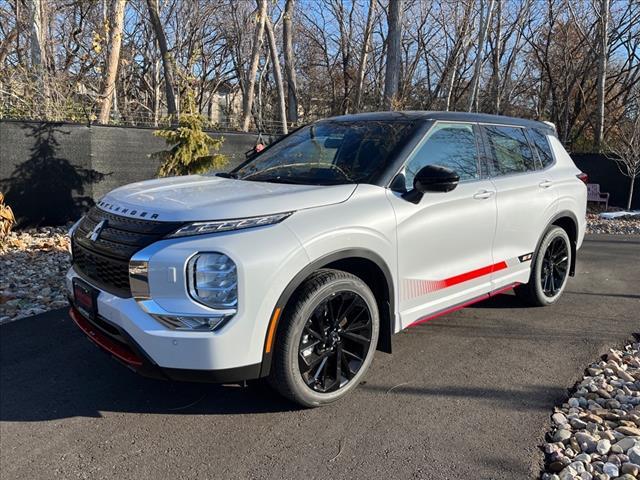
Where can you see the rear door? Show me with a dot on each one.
(444, 241)
(525, 197)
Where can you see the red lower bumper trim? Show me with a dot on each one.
(121, 352)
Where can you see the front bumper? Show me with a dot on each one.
(116, 342)
(124, 321)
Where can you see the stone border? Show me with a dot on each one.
(595, 434)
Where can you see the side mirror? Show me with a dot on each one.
(432, 178)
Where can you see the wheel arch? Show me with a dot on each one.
(365, 264)
(569, 223)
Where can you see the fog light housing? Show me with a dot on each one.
(212, 280)
(187, 322)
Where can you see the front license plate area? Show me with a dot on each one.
(85, 298)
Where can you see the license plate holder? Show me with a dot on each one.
(85, 298)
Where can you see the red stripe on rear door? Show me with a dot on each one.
(480, 272)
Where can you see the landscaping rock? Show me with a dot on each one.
(33, 264)
(596, 433)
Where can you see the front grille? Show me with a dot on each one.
(105, 261)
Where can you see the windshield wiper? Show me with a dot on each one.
(227, 175)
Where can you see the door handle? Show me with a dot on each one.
(545, 184)
(483, 194)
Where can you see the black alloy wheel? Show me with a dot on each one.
(555, 266)
(335, 341)
(326, 339)
(550, 268)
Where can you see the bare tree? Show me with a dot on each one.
(394, 56)
(38, 42)
(482, 32)
(167, 61)
(289, 61)
(113, 60)
(247, 102)
(603, 54)
(277, 73)
(364, 52)
(624, 149)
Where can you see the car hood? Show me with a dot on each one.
(203, 197)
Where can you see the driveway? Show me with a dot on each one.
(466, 396)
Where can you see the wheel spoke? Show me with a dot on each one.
(345, 365)
(355, 328)
(351, 354)
(315, 361)
(356, 338)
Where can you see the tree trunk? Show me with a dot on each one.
(38, 52)
(289, 61)
(113, 60)
(394, 54)
(602, 71)
(277, 74)
(247, 101)
(630, 200)
(484, 25)
(167, 61)
(495, 80)
(362, 64)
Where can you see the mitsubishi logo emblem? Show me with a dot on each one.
(95, 233)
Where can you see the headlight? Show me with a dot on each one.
(212, 280)
(197, 228)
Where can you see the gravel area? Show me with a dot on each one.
(33, 264)
(619, 226)
(596, 434)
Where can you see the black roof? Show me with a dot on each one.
(451, 116)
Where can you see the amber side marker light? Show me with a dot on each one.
(272, 329)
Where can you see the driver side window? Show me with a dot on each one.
(451, 145)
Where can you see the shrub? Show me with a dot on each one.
(191, 147)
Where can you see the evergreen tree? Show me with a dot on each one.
(191, 147)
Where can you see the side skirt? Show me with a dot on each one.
(462, 305)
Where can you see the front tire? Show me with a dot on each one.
(550, 270)
(327, 339)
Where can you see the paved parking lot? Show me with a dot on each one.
(467, 396)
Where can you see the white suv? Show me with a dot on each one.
(309, 256)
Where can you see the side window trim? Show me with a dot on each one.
(425, 137)
(491, 159)
(534, 149)
(551, 149)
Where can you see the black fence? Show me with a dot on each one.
(52, 172)
(605, 172)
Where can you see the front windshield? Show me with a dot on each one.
(329, 152)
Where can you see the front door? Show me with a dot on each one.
(445, 240)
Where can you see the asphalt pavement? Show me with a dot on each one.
(466, 396)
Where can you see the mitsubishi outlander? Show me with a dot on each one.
(305, 259)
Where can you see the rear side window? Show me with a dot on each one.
(451, 145)
(510, 150)
(539, 139)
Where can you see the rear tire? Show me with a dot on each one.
(550, 270)
(326, 340)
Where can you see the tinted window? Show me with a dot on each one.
(510, 150)
(542, 146)
(330, 152)
(451, 145)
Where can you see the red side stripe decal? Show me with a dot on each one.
(480, 272)
(412, 288)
